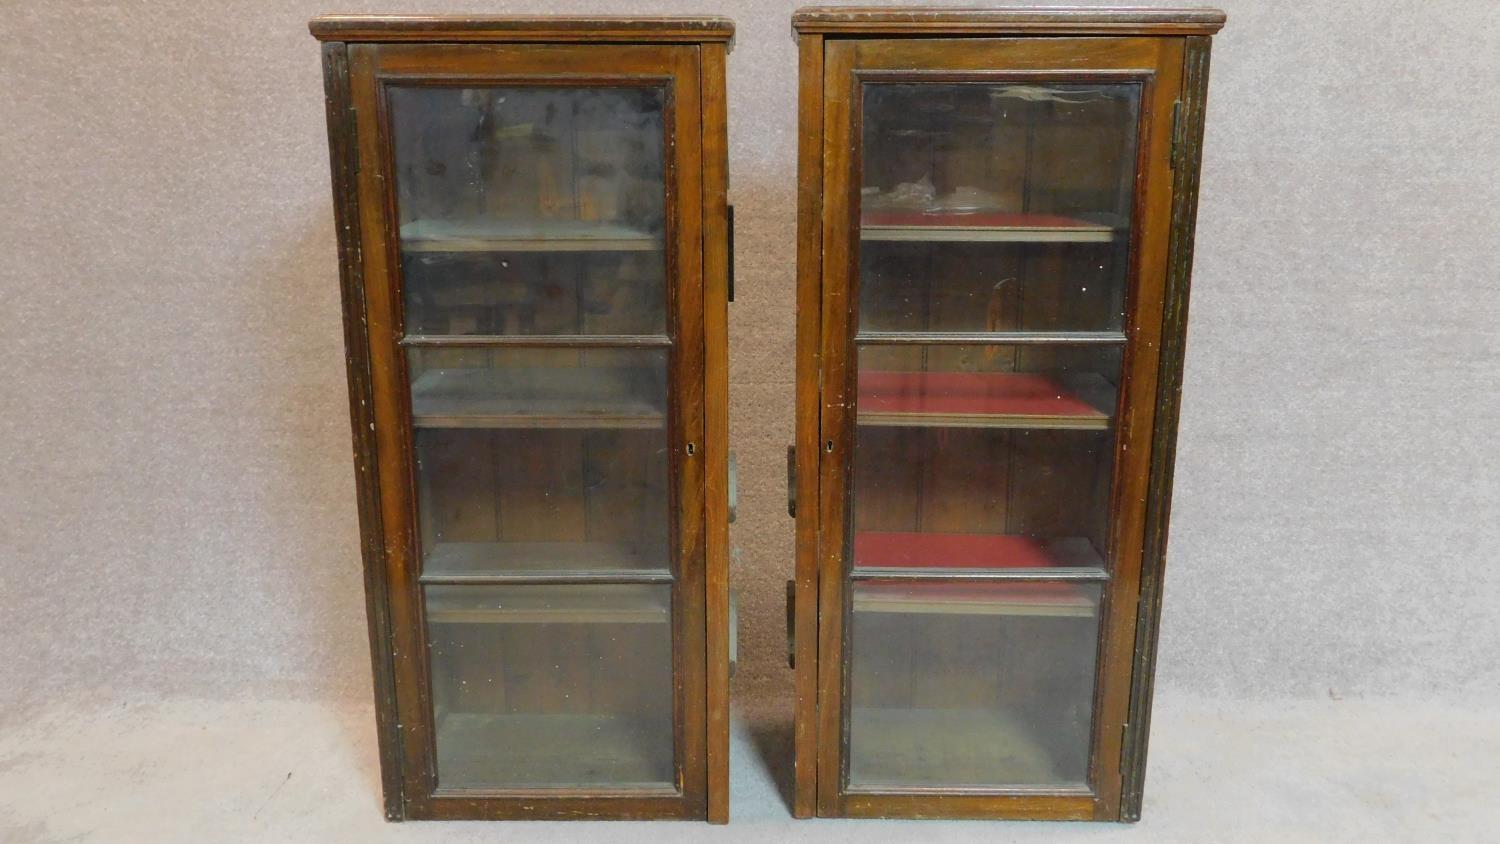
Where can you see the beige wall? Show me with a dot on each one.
(176, 498)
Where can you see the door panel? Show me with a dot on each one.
(538, 344)
(995, 243)
(964, 686)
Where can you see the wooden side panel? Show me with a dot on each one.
(716, 434)
(809, 357)
(1137, 415)
(1164, 439)
(392, 430)
(344, 159)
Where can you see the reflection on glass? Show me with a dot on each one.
(983, 456)
(538, 388)
(507, 293)
(552, 686)
(971, 685)
(541, 459)
(541, 501)
(531, 210)
(984, 209)
(996, 207)
(995, 386)
(540, 212)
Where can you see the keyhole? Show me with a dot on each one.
(691, 449)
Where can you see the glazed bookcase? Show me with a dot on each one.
(996, 215)
(534, 254)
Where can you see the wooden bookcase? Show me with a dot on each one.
(533, 243)
(996, 213)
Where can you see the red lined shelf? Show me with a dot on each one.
(883, 549)
(997, 227)
(983, 400)
(877, 550)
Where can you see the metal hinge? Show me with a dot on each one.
(1177, 143)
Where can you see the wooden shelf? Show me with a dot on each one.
(876, 550)
(532, 236)
(982, 227)
(560, 750)
(455, 561)
(538, 397)
(550, 604)
(984, 400)
(974, 598)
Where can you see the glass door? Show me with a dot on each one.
(987, 308)
(547, 373)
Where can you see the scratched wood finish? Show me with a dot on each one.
(960, 43)
(508, 28)
(893, 22)
(715, 156)
(1164, 446)
(688, 56)
(806, 459)
(345, 163)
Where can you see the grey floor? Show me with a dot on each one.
(211, 771)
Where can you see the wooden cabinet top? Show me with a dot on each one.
(477, 28)
(1035, 20)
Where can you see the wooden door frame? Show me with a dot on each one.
(826, 275)
(402, 677)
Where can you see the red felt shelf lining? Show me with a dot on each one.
(914, 550)
(970, 394)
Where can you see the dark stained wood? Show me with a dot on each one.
(485, 28)
(566, 341)
(391, 428)
(1018, 20)
(544, 64)
(1137, 417)
(715, 157)
(805, 459)
(951, 805)
(577, 806)
(344, 161)
(499, 494)
(834, 445)
(1164, 440)
(906, 45)
(686, 296)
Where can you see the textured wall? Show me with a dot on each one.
(176, 498)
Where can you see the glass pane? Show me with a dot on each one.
(537, 210)
(996, 207)
(538, 388)
(971, 685)
(983, 457)
(541, 460)
(552, 686)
